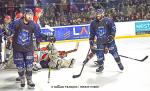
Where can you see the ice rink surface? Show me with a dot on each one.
(135, 77)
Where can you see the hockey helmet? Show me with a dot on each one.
(38, 10)
(19, 15)
(7, 17)
(28, 11)
(100, 11)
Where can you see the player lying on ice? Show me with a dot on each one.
(54, 58)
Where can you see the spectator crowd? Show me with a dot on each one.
(74, 12)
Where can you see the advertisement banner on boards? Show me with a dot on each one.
(142, 27)
(68, 32)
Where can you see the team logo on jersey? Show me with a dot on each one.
(24, 38)
(101, 32)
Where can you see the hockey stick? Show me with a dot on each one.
(134, 58)
(75, 76)
(5, 50)
(49, 69)
(128, 57)
(49, 74)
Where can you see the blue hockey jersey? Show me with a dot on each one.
(23, 35)
(102, 30)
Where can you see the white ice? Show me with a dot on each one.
(135, 77)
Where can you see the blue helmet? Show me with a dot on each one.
(28, 11)
(100, 11)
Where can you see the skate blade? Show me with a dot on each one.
(18, 81)
(99, 73)
(2, 67)
(30, 87)
(20, 87)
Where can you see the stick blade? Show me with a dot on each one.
(75, 76)
(144, 59)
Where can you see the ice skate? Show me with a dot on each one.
(22, 82)
(3, 66)
(30, 83)
(18, 79)
(100, 68)
(120, 66)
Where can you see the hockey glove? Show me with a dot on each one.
(110, 38)
(92, 46)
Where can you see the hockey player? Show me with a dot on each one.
(38, 12)
(55, 61)
(37, 15)
(0, 46)
(5, 30)
(23, 46)
(56, 58)
(103, 29)
(8, 59)
(18, 16)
